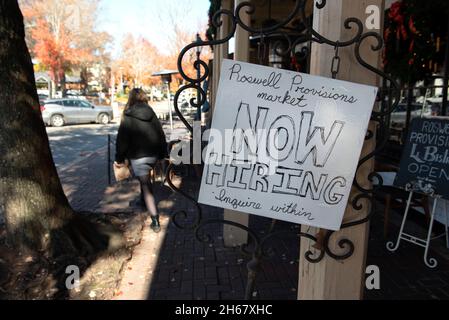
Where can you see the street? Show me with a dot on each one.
(72, 143)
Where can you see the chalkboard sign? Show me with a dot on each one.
(425, 160)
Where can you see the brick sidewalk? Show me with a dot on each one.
(175, 265)
(85, 181)
(86, 185)
(185, 268)
(403, 273)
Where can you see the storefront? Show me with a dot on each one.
(301, 37)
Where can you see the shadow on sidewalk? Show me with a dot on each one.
(190, 269)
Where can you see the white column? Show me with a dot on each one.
(331, 279)
(234, 236)
(220, 51)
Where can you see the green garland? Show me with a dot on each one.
(415, 39)
(211, 33)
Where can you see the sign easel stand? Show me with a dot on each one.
(425, 243)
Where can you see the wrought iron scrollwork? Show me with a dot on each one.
(364, 196)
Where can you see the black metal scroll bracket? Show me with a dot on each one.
(259, 248)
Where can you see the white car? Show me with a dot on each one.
(58, 112)
(399, 115)
(435, 99)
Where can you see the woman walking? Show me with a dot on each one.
(141, 140)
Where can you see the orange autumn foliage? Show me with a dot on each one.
(54, 51)
(61, 34)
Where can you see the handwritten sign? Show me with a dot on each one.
(425, 159)
(285, 145)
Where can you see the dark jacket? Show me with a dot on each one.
(140, 135)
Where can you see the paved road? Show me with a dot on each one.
(71, 143)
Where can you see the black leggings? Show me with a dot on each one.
(146, 188)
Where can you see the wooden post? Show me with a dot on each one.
(331, 279)
(220, 51)
(234, 236)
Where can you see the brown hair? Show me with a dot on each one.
(136, 96)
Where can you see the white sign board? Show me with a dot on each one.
(285, 145)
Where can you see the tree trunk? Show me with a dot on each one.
(36, 210)
(63, 85)
(84, 79)
(52, 89)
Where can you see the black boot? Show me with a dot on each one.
(155, 225)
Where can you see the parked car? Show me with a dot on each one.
(58, 112)
(399, 115)
(77, 97)
(157, 94)
(437, 98)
